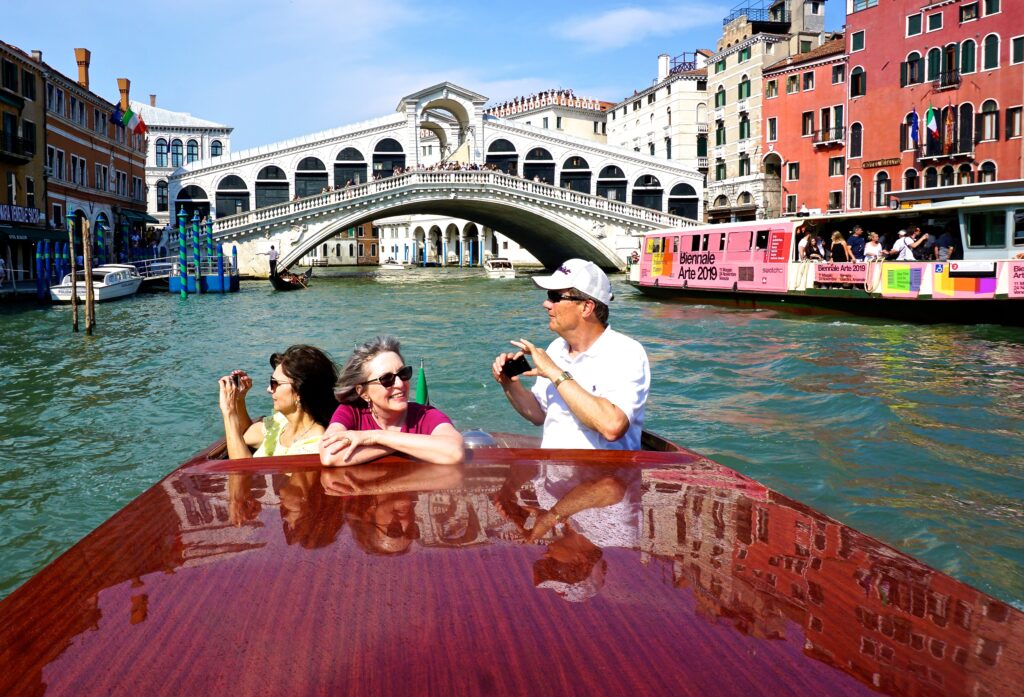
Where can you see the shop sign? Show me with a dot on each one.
(888, 162)
(20, 214)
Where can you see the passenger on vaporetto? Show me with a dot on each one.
(592, 381)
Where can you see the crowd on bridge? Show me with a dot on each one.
(554, 97)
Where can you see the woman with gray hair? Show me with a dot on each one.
(375, 417)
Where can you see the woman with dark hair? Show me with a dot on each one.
(375, 417)
(302, 389)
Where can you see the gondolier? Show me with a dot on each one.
(273, 254)
(592, 381)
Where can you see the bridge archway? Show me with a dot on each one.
(611, 183)
(194, 200)
(349, 168)
(502, 154)
(232, 196)
(439, 132)
(576, 174)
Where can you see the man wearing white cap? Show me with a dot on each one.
(592, 381)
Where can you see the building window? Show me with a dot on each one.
(545, 121)
(859, 5)
(744, 165)
(910, 180)
(720, 134)
(161, 195)
(858, 82)
(792, 84)
(744, 127)
(808, 81)
(935, 21)
(192, 151)
(838, 74)
(650, 149)
(854, 196)
(991, 7)
(912, 70)
(914, 25)
(101, 173)
(771, 89)
(1013, 126)
(882, 186)
(28, 135)
(968, 13)
(10, 76)
(835, 200)
(28, 86)
(177, 158)
(967, 51)
(988, 121)
(987, 172)
(720, 97)
(1017, 50)
(990, 53)
(793, 171)
(58, 216)
(773, 129)
(856, 139)
(668, 148)
(719, 171)
(807, 122)
(857, 41)
(30, 192)
(835, 166)
(216, 148)
(744, 55)
(791, 203)
(743, 89)
(719, 66)
(805, 46)
(161, 152)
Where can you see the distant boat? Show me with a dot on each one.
(109, 282)
(499, 267)
(291, 281)
(390, 264)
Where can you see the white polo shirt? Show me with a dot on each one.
(615, 368)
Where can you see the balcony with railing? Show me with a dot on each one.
(829, 136)
(15, 148)
(762, 12)
(702, 162)
(937, 147)
(947, 80)
(702, 128)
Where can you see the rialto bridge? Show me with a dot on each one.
(556, 195)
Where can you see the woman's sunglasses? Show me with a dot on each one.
(275, 383)
(394, 530)
(388, 379)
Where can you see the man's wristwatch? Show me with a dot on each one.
(562, 378)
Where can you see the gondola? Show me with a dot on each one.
(276, 576)
(290, 281)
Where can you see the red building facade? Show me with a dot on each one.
(962, 63)
(803, 128)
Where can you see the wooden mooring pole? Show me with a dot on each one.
(90, 301)
(70, 219)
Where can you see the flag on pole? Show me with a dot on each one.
(915, 129)
(141, 128)
(117, 116)
(949, 133)
(130, 120)
(931, 121)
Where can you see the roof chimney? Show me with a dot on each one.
(123, 86)
(152, 100)
(37, 56)
(82, 55)
(663, 66)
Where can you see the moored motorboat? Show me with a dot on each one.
(663, 569)
(499, 267)
(290, 281)
(390, 264)
(109, 281)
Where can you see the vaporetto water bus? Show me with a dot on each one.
(756, 264)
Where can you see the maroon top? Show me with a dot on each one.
(242, 577)
(418, 419)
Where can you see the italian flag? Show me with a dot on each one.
(931, 121)
(131, 119)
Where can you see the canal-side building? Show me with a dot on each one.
(668, 119)
(755, 36)
(560, 110)
(22, 163)
(177, 138)
(356, 246)
(954, 69)
(96, 168)
(802, 128)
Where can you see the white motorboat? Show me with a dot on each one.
(390, 264)
(109, 281)
(499, 267)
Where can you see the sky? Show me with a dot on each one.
(277, 69)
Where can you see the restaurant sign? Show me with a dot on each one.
(20, 214)
(888, 162)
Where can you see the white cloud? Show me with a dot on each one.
(628, 25)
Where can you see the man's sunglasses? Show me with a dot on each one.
(555, 297)
(388, 379)
(394, 530)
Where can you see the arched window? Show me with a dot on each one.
(987, 172)
(232, 196)
(989, 121)
(934, 63)
(743, 89)
(647, 192)
(907, 132)
(931, 178)
(910, 180)
(856, 139)
(720, 97)
(161, 191)
(192, 151)
(990, 52)
(388, 157)
(216, 148)
(349, 168)
(502, 154)
(964, 174)
(575, 174)
(968, 50)
(858, 82)
(966, 128)
(854, 196)
(310, 177)
(161, 154)
(913, 73)
(682, 200)
(882, 187)
(271, 187)
(946, 176)
(177, 153)
(611, 183)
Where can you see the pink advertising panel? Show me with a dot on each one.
(1015, 276)
(840, 273)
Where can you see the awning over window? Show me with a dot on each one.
(32, 234)
(138, 216)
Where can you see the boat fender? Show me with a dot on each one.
(474, 438)
(686, 283)
(735, 286)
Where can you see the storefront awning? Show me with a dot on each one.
(138, 217)
(32, 234)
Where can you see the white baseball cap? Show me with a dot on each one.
(585, 276)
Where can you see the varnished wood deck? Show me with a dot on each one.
(245, 578)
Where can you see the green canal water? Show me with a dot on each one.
(913, 434)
